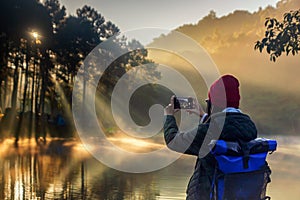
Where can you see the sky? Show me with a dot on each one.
(166, 14)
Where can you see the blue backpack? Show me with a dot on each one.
(242, 172)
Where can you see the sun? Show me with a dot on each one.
(35, 35)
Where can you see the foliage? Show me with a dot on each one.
(282, 36)
(57, 13)
(37, 70)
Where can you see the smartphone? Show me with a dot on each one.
(184, 103)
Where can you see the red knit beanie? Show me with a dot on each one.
(224, 92)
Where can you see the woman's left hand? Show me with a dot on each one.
(169, 109)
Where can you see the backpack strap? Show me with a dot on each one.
(246, 153)
(213, 185)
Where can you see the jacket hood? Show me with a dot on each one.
(235, 126)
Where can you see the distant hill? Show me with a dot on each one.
(270, 91)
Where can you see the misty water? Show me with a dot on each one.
(62, 169)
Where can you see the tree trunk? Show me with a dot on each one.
(20, 86)
(4, 62)
(1, 102)
(26, 82)
(42, 103)
(37, 94)
(5, 91)
(43, 91)
(21, 117)
(15, 86)
(32, 87)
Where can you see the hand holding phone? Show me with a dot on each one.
(184, 103)
(192, 107)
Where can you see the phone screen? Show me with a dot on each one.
(184, 103)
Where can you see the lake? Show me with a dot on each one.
(62, 169)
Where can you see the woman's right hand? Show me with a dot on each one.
(198, 110)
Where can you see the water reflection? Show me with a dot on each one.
(38, 172)
(63, 170)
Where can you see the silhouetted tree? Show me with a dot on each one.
(74, 41)
(76, 38)
(282, 36)
(57, 13)
(136, 56)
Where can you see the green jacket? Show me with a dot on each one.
(230, 126)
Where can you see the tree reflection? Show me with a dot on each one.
(49, 174)
(57, 171)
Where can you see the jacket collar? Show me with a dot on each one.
(232, 109)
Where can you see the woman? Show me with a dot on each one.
(227, 122)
